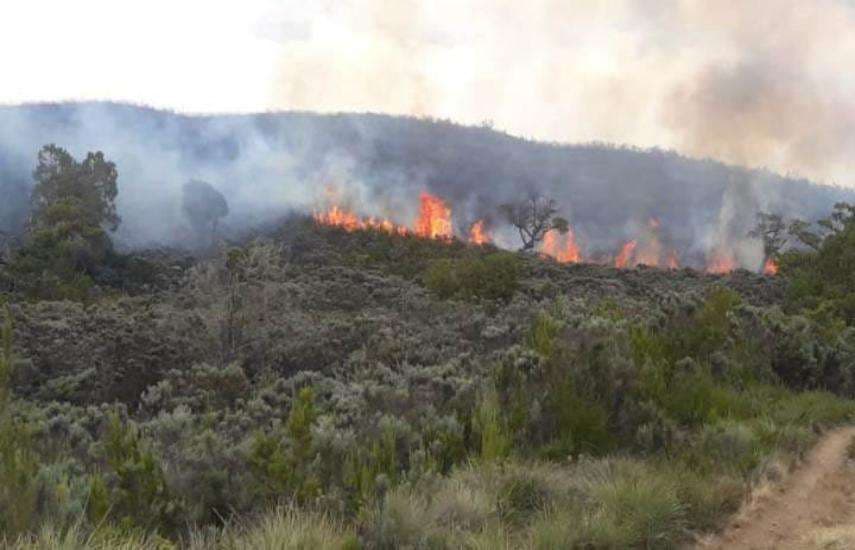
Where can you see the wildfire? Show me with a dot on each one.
(337, 217)
(478, 234)
(721, 262)
(567, 252)
(434, 220)
(625, 255)
(673, 260)
(770, 267)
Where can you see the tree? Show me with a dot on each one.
(801, 231)
(771, 229)
(73, 207)
(77, 194)
(204, 206)
(534, 217)
(840, 219)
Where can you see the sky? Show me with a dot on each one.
(763, 83)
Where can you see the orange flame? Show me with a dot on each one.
(337, 217)
(673, 260)
(568, 253)
(434, 220)
(625, 255)
(478, 234)
(649, 249)
(721, 262)
(770, 267)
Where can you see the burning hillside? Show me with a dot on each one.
(434, 220)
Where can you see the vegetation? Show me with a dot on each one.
(73, 209)
(204, 207)
(533, 218)
(316, 388)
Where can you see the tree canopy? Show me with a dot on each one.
(533, 218)
(203, 206)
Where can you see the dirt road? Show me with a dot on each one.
(814, 508)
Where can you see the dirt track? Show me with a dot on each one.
(814, 508)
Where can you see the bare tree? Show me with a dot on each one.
(534, 217)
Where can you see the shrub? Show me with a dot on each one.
(19, 464)
(140, 496)
(495, 442)
(281, 462)
(492, 277)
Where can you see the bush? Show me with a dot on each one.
(492, 277)
(140, 496)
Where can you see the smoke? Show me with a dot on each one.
(266, 166)
(762, 84)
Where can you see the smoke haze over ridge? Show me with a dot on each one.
(271, 164)
(761, 83)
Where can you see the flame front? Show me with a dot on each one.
(721, 262)
(625, 255)
(478, 234)
(335, 216)
(770, 267)
(349, 221)
(673, 260)
(434, 220)
(563, 248)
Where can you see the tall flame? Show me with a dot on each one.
(625, 255)
(478, 234)
(567, 252)
(649, 249)
(770, 267)
(338, 217)
(673, 260)
(721, 262)
(434, 221)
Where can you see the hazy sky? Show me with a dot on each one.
(762, 82)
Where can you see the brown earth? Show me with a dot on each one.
(813, 508)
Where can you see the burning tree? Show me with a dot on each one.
(534, 218)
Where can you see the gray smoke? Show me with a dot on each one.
(268, 165)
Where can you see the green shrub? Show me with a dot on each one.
(495, 442)
(140, 496)
(492, 277)
(442, 279)
(543, 334)
(19, 464)
(281, 463)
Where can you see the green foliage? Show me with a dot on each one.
(495, 442)
(823, 275)
(73, 208)
(19, 463)
(140, 496)
(543, 334)
(281, 461)
(492, 277)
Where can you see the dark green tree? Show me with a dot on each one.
(73, 209)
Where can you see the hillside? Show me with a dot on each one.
(267, 165)
(391, 391)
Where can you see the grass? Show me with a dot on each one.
(284, 528)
